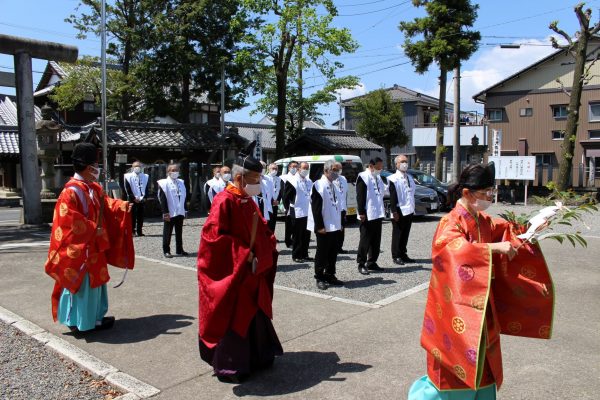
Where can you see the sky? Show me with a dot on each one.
(379, 61)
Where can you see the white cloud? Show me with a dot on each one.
(358, 90)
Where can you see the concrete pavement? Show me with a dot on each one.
(333, 350)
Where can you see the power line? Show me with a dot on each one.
(366, 73)
(45, 31)
(373, 11)
(360, 4)
(369, 65)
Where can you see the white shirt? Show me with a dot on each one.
(303, 187)
(137, 183)
(331, 209)
(375, 193)
(174, 190)
(405, 191)
(215, 185)
(342, 185)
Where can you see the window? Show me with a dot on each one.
(495, 114)
(594, 112)
(559, 111)
(594, 135)
(545, 159)
(558, 135)
(90, 107)
(526, 112)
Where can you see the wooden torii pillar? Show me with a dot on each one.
(24, 50)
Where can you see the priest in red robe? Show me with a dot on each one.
(484, 282)
(89, 231)
(237, 261)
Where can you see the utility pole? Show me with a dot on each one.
(223, 100)
(300, 66)
(103, 103)
(340, 103)
(456, 146)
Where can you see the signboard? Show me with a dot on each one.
(518, 168)
(496, 142)
(258, 148)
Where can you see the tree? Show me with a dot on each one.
(581, 75)
(444, 42)
(380, 120)
(272, 49)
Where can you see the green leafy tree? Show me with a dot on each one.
(273, 49)
(581, 75)
(83, 83)
(380, 120)
(441, 37)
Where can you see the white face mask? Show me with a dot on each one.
(174, 175)
(137, 170)
(226, 177)
(273, 172)
(95, 173)
(304, 173)
(403, 166)
(217, 175)
(252, 189)
(376, 172)
(481, 205)
(293, 171)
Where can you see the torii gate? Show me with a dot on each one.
(24, 50)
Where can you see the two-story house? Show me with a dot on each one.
(530, 109)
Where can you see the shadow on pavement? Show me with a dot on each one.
(404, 270)
(135, 330)
(297, 371)
(294, 267)
(366, 282)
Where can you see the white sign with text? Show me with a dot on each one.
(518, 168)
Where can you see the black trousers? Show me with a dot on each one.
(326, 255)
(370, 240)
(342, 234)
(400, 232)
(301, 238)
(289, 230)
(273, 219)
(137, 218)
(176, 222)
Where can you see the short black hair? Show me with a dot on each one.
(375, 160)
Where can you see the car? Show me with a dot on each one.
(351, 167)
(425, 179)
(426, 199)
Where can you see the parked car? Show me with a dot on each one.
(426, 199)
(425, 179)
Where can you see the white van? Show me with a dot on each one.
(351, 167)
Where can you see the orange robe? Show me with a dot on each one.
(474, 297)
(77, 245)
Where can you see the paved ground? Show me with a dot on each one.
(333, 350)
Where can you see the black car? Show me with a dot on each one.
(426, 199)
(424, 179)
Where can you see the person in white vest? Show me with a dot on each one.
(342, 185)
(265, 198)
(136, 188)
(214, 185)
(370, 190)
(325, 220)
(402, 205)
(297, 201)
(289, 220)
(277, 183)
(171, 194)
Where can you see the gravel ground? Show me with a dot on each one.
(30, 371)
(371, 288)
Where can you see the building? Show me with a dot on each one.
(530, 109)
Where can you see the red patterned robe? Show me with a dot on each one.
(475, 296)
(77, 246)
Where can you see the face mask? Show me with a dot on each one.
(334, 175)
(174, 175)
(217, 175)
(376, 172)
(95, 173)
(137, 170)
(403, 167)
(481, 205)
(293, 171)
(304, 173)
(226, 177)
(252, 189)
(273, 172)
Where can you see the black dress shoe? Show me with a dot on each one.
(235, 378)
(107, 323)
(342, 251)
(168, 255)
(398, 261)
(322, 285)
(334, 281)
(407, 259)
(183, 253)
(374, 267)
(363, 270)
(141, 234)
(297, 260)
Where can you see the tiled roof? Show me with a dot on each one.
(149, 134)
(335, 140)
(9, 140)
(8, 110)
(403, 94)
(248, 131)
